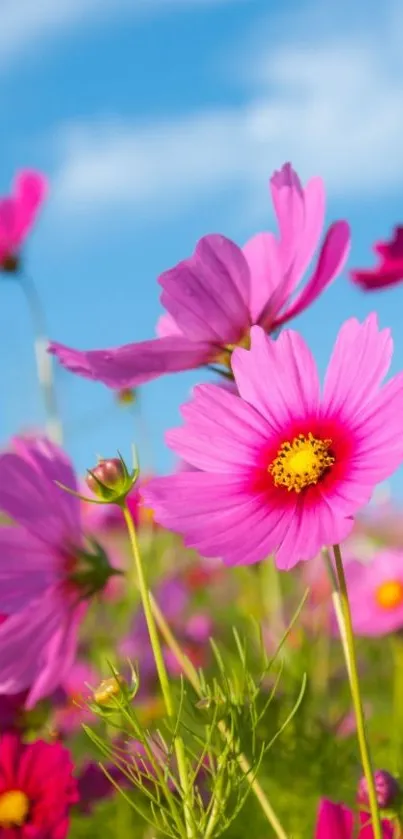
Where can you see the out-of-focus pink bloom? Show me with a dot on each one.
(213, 298)
(389, 271)
(47, 570)
(284, 469)
(37, 789)
(335, 821)
(18, 213)
(375, 591)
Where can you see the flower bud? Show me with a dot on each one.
(386, 786)
(109, 689)
(111, 480)
(108, 473)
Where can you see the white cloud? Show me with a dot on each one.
(25, 24)
(332, 105)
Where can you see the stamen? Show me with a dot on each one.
(301, 462)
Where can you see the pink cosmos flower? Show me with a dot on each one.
(213, 298)
(335, 821)
(47, 571)
(18, 213)
(37, 789)
(390, 268)
(376, 593)
(284, 469)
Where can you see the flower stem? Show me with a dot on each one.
(161, 669)
(351, 661)
(44, 361)
(192, 676)
(397, 644)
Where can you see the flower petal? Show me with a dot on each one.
(208, 294)
(279, 378)
(24, 641)
(331, 260)
(134, 364)
(222, 432)
(29, 495)
(263, 257)
(360, 360)
(26, 569)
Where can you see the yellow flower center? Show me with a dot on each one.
(14, 807)
(389, 595)
(301, 463)
(224, 355)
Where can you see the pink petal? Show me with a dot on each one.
(52, 463)
(208, 294)
(263, 257)
(30, 192)
(278, 378)
(24, 641)
(166, 327)
(134, 364)
(334, 821)
(30, 496)
(60, 656)
(288, 201)
(360, 360)
(331, 260)
(26, 569)
(222, 433)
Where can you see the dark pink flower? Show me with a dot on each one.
(335, 821)
(283, 466)
(213, 298)
(17, 215)
(47, 569)
(37, 789)
(389, 271)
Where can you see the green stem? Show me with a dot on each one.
(351, 661)
(397, 644)
(44, 361)
(192, 676)
(161, 670)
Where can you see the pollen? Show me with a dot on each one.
(14, 808)
(302, 462)
(389, 595)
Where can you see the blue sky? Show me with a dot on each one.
(158, 121)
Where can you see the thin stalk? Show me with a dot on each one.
(44, 361)
(161, 670)
(397, 644)
(192, 676)
(356, 693)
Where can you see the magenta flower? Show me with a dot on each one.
(18, 213)
(37, 789)
(376, 593)
(284, 468)
(47, 571)
(213, 298)
(335, 821)
(390, 268)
